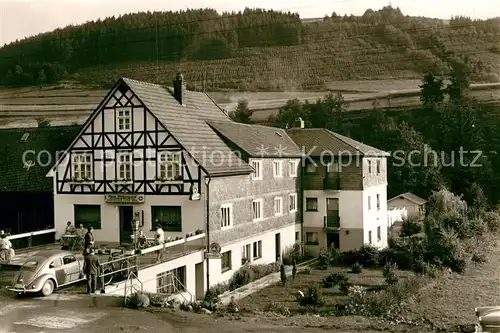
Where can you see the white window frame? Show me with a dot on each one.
(123, 121)
(292, 198)
(260, 216)
(379, 234)
(369, 202)
(370, 166)
(292, 169)
(278, 206)
(127, 165)
(82, 163)
(246, 253)
(278, 166)
(378, 166)
(378, 201)
(168, 159)
(257, 246)
(257, 165)
(227, 216)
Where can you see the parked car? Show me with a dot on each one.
(48, 270)
(489, 319)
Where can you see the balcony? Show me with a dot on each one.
(332, 222)
(331, 182)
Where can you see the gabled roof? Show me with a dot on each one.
(187, 124)
(258, 140)
(17, 173)
(317, 141)
(411, 197)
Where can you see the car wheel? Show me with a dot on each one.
(109, 277)
(48, 288)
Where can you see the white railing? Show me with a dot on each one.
(171, 243)
(31, 234)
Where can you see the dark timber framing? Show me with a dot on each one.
(120, 141)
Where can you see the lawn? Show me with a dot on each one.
(370, 279)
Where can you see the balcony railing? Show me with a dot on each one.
(331, 183)
(332, 222)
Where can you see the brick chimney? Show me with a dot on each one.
(179, 87)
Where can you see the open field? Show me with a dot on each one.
(70, 103)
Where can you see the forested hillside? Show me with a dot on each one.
(253, 49)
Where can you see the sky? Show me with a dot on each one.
(24, 18)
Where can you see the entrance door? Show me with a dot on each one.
(200, 281)
(126, 217)
(333, 240)
(277, 239)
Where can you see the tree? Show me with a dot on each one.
(431, 91)
(328, 112)
(41, 78)
(242, 113)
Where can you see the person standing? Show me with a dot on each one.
(5, 248)
(160, 240)
(89, 240)
(91, 270)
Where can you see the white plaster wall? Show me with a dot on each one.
(396, 215)
(411, 207)
(373, 218)
(148, 277)
(268, 251)
(192, 214)
(350, 208)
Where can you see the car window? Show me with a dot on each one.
(31, 264)
(68, 259)
(56, 263)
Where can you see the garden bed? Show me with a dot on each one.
(286, 296)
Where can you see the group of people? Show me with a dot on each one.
(6, 249)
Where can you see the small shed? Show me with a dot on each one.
(415, 205)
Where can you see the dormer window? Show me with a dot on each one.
(123, 118)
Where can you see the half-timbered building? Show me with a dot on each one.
(160, 155)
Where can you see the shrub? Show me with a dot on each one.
(390, 273)
(294, 269)
(410, 226)
(138, 300)
(328, 258)
(334, 279)
(313, 296)
(276, 307)
(344, 286)
(283, 274)
(306, 271)
(492, 220)
(367, 256)
(249, 273)
(356, 268)
(292, 253)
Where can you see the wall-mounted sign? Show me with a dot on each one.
(211, 255)
(124, 198)
(214, 252)
(195, 193)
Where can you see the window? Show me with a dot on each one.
(297, 236)
(123, 116)
(257, 209)
(292, 169)
(171, 282)
(169, 217)
(68, 260)
(226, 216)
(292, 202)
(278, 206)
(226, 261)
(378, 166)
(245, 254)
(369, 202)
(257, 166)
(82, 166)
(169, 165)
(257, 250)
(312, 238)
(277, 169)
(88, 215)
(379, 234)
(378, 201)
(311, 168)
(124, 164)
(369, 166)
(312, 204)
(370, 237)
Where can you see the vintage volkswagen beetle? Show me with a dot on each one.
(47, 270)
(489, 319)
